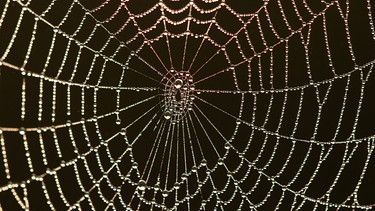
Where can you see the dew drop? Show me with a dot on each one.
(130, 147)
(123, 131)
(227, 145)
(220, 161)
(167, 115)
(165, 193)
(178, 83)
(135, 165)
(118, 121)
(184, 176)
(142, 185)
(157, 186)
(177, 186)
(22, 131)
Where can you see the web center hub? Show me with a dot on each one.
(177, 95)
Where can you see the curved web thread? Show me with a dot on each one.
(273, 114)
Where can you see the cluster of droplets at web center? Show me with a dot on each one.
(178, 94)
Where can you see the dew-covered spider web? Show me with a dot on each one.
(187, 105)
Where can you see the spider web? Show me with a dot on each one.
(190, 105)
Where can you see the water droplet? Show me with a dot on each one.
(142, 185)
(204, 162)
(118, 121)
(177, 186)
(194, 169)
(123, 131)
(22, 131)
(167, 115)
(184, 176)
(227, 145)
(220, 161)
(178, 83)
(238, 121)
(130, 147)
(165, 193)
(135, 165)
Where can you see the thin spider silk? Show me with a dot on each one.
(187, 105)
